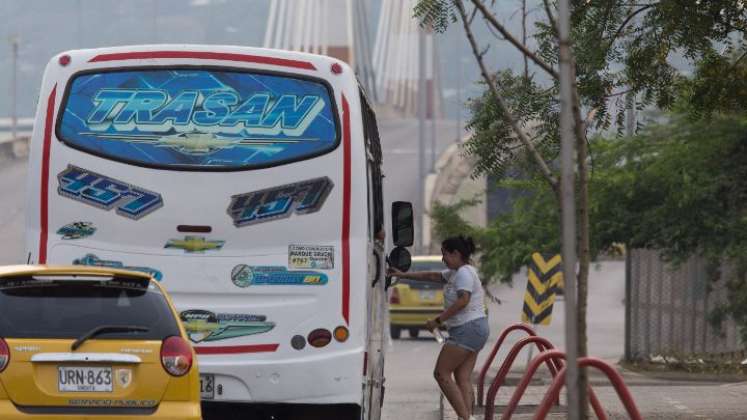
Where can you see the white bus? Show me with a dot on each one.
(248, 181)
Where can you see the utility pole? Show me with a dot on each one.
(630, 114)
(14, 88)
(459, 100)
(568, 208)
(432, 103)
(421, 136)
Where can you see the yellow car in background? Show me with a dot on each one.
(413, 302)
(81, 342)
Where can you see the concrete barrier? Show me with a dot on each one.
(15, 148)
(450, 183)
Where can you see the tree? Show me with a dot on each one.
(619, 48)
(678, 187)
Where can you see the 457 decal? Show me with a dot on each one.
(105, 193)
(279, 202)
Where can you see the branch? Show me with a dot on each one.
(550, 17)
(508, 117)
(515, 42)
(736, 63)
(623, 92)
(625, 23)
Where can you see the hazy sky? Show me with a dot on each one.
(47, 27)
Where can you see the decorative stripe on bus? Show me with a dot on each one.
(44, 208)
(346, 211)
(204, 55)
(257, 348)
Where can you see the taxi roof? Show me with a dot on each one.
(30, 270)
(426, 258)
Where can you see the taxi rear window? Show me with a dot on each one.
(198, 118)
(51, 309)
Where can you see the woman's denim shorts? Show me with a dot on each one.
(471, 335)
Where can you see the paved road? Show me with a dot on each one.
(399, 140)
(411, 390)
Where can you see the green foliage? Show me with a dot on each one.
(436, 14)
(719, 86)
(619, 47)
(494, 144)
(508, 242)
(679, 187)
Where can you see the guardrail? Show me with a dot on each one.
(485, 367)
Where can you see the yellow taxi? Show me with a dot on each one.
(413, 302)
(88, 343)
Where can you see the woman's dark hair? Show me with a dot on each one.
(464, 244)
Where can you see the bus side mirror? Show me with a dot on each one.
(403, 231)
(400, 259)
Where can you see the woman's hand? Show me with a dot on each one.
(431, 324)
(391, 271)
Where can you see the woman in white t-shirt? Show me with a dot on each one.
(465, 318)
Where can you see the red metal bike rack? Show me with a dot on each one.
(489, 361)
(557, 356)
(541, 343)
(614, 377)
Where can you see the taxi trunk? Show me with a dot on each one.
(81, 344)
(46, 373)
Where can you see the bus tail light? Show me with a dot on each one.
(176, 356)
(341, 334)
(394, 299)
(4, 354)
(320, 337)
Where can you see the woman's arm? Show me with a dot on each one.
(432, 276)
(462, 301)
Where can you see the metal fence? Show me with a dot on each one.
(667, 309)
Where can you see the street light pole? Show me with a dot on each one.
(421, 136)
(432, 102)
(568, 208)
(14, 89)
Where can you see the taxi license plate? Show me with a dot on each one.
(427, 294)
(84, 379)
(207, 387)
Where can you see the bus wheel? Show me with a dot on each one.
(395, 332)
(414, 332)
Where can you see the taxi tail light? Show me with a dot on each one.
(394, 299)
(176, 356)
(4, 354)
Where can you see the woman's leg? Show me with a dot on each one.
(450, 358)
(463, 375)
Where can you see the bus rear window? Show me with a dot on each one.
(198, 119)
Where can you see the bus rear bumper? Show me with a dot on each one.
(332, 378)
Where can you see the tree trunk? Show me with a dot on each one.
(584, 260)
